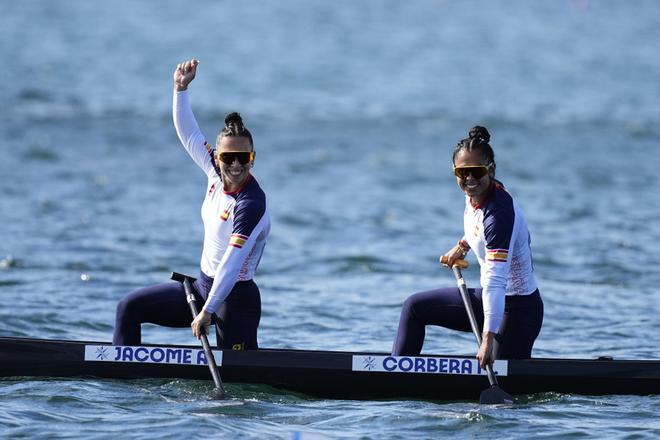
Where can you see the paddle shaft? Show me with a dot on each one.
(473, 321)
(190, 297)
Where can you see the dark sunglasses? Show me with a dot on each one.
(243, 157)
(477, 171)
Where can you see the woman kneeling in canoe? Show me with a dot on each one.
(236, 224)
(508, 304)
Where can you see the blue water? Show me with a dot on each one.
(355, 108)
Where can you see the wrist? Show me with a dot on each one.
(488, 336)
(179, 87)
(463, 247)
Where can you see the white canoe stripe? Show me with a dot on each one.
(425, 365)
(148, 355)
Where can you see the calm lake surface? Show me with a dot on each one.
(355, 109)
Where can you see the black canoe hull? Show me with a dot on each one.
(328, 374)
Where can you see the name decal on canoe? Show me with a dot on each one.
(429, 365)
(148, 355)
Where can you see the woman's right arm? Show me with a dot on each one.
(186, 126)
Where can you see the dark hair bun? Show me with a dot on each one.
(480, 133)
(235, 119)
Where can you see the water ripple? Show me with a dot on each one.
(355, 108)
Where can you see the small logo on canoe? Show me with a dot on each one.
(102, 353)
(369, 363)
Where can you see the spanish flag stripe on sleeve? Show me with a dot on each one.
(497, 255)
(237, 240)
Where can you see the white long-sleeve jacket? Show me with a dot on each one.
(497, 233)
(236, 224)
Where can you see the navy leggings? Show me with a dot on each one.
(236, 320)
(523, 316)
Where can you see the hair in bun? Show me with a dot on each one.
(234, 127)
(478, 140)
(233, 119)
(480, 133)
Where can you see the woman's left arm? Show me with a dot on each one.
(499, 236)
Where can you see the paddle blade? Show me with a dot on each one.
(495, 396)
(219, 394)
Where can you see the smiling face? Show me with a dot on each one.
(474, 174)
(234, 174)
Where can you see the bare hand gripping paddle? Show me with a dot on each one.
(190, 297)
(494, 394)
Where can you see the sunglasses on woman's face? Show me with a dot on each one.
(243, 157)
(477, 171)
